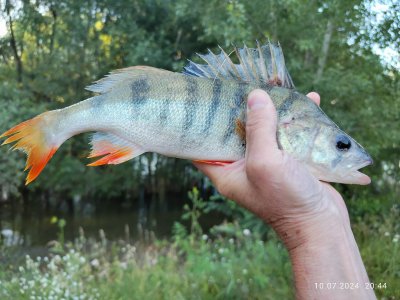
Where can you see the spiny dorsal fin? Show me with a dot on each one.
(111, 80)
(265, 63)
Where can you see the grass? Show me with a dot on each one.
(222, 266)
(229, 262)
(379, 243)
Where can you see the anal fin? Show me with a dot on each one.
(114, 149)
(214, 162)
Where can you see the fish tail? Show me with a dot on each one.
(33, 138)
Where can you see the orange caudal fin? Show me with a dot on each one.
(30, 137)
(214, 162)
(114, 149)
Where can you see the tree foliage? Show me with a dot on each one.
(53, 49)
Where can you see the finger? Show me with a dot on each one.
(261, 126)
(314, 97)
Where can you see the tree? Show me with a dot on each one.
(54, 49)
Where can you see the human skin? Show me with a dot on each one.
(308, 215)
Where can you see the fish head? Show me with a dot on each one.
(337, 157)
(330, 154)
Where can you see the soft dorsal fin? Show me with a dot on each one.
(111, 80)
(265, 63)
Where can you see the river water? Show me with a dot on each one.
(31, 228)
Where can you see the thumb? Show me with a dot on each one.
(261, 125)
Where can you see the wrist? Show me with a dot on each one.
(323, 250)
(319, 226)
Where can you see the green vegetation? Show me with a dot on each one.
(206, 268)
(230, 262)
(53, 49)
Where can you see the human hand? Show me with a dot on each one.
(309, 216)
(272, 184)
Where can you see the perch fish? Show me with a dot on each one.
(199, 114)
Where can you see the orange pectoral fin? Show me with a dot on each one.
(214, 162)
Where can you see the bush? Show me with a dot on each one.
(228, 262)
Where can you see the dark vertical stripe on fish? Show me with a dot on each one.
(140, 89)
(98, 101)
(266, 87)
(164, 112)
(234, 111)
(213, 107)
(287, 103)
(191, 105)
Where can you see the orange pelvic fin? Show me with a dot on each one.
(115, 149)
(30, 137)
(214, 162)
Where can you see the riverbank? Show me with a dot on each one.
(229, 262)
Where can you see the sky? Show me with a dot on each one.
(388, 55)
(3, 27)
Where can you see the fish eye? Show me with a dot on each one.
(343, 143)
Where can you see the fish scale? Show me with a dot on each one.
(193, 117)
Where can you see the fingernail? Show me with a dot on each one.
(256, 100)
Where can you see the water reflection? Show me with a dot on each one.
(11, 238)
(30, 227)
(33, 227)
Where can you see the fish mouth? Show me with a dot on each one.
(364, 164)
(356, 177)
